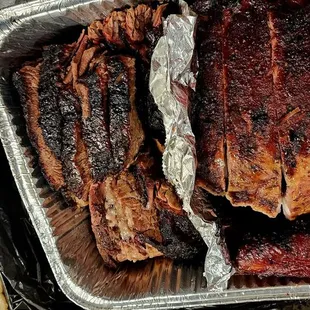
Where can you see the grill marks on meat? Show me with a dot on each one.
(111, 127)
(136, 216)
(27, 83)
(253, 157)
(208, 125)
(291, 46)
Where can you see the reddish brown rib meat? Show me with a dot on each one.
(253, 157)
(208, 124)
(290, 257)
(292, 92)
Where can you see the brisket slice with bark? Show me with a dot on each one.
(74, 157)
(26, 81)
(53, 123)
(209, 111)
(111, 127)
(136, 216)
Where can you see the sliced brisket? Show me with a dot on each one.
(26, 81)
(126, 133)
(93, 91)
(50, 117)
(74, 157)
(53, 123)
(111, 127)
(136, 30)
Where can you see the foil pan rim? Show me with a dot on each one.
(35, 7)
(33, 203)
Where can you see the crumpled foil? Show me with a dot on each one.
(171, 79)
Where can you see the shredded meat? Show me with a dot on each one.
(136, 215)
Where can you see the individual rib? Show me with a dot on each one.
(253, 156)
(209, 119)
(291, 46)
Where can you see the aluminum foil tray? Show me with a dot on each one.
(65, 233)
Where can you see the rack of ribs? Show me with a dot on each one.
(136, 215)
(235, 119)
(208, 120)
(265, 256)
(263, 91)
(290, 29)
(253, 156)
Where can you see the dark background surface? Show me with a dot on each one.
(28, 278)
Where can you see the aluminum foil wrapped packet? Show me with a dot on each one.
(171, 79)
